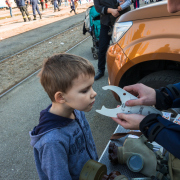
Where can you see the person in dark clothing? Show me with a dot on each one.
(22, 6)
(35, 8)
(136, 4)
(56, 5)
(163, 98)
(107, 14)
(153, 126)
(42, 4)
(72, 7)
(59, 2)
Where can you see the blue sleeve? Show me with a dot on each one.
(169, 136)
(54, 161)
(126, 4)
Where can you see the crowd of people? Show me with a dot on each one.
(23, 6)
(137, 4)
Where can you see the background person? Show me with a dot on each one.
(59, 2)
(76, 5)
(9, 4)
(22, 6)
(72, 5)
(46, 4)
(136, 4)
(42, 4)
(153, 126)
(66, 2)
(62, 141)
(104, 38)
(35, 8)
(56, 6)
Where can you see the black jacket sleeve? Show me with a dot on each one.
(168, 97)
(156, 128)
(99, 7)
(162, 131)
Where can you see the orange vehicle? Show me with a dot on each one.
(146, 47)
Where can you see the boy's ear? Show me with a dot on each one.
(59, 97)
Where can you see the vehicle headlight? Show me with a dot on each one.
(120, 28)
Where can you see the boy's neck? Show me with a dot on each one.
(60, 110)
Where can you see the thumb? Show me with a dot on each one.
(121, 116)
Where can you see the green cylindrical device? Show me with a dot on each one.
(93, 170)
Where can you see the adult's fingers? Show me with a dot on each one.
(122, 116)
(134, 102)
(121, 122)
(133, 89)
(117, 120)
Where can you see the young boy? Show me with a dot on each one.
(62, 140)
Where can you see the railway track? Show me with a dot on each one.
(12, 59)
(23, 50)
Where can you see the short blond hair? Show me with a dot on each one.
(60, 70)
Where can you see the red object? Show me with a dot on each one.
(46, 5)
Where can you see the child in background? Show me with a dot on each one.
(62, 140)
(72, 5)
(42, 4)
(46, 4)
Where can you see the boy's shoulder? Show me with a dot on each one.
(50, 137)
(58, 133)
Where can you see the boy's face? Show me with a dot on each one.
(81, 96)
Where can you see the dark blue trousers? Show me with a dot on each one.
(35, 7)
(55, 5)
(104, 40)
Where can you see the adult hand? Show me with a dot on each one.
(114, 12)
(146, 95)
(129, 121)
(119, 8)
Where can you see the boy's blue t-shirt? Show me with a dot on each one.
(62, 146)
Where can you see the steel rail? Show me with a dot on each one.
(39, 43)
(16, 85)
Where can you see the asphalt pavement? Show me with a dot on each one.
(21, 41)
